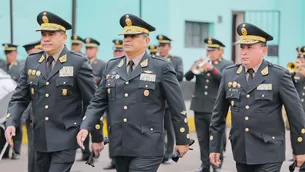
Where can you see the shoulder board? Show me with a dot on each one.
(40, 52)
(234, 65)
(116, 58)
(76, 53)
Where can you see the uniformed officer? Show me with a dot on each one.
(57, 82)
(134, 89)
(153, 49)
(77, 44)
(206, 87)
(12, 66)
(255, 90)
(98, 65)
(31, 48)
(118, 50)
(163, 48)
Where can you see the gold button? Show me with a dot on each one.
(205, 93)
(246, 129)
(263, 96)
(303, 94)
(8, 115)
(247, 107)
(127, 83)
(47, 83)
(108, 84)
(206, 87)
(302, 100)
(185, 120)
(31, 82)
(125, 107)
(182, 130)
(151, 129)
(75, 123)
(248, 96)
(64, 82)
(146, 86)
(208, 74)
(101, 119)
(207, 80)
(211, 138)
(84, 118)
(273, 137)
(126, 94)
(246, 118)
(47, 95)
(125, 119)
(46, 118)
(97, 126)
(46, 106)
(188, 136)
(303, 131)
(300, 139)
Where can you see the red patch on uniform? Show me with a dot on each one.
(216, 72)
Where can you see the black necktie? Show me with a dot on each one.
(130, 64)
(49, 64)
(250, 78)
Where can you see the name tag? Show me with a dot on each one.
(296, 77)
(264, 87)
(148, 77)
(66, 71)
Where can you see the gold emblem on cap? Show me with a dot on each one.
(244, 31)
(64, 92)
(146, 93)
(210, 41)
(128, 21)
(117, 42)
(5, 46)
(152, 47)
(45, 18)
(87, 40)
(160, 37)
(75, 37)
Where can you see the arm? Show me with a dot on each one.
(295, 113)
(19, 101)
(174, 98)
(179, 69)
(218, 119)
(97, 107)
(87, 88)
(189, 75)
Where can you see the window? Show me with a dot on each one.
(196, 32)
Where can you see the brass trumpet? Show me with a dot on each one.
(198, 68)
(292, 66)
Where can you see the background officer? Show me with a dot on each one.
(31, 48)
(206, 87)
(77, 44)
(163, 48)
(118, 50)
(13, 67)
(134, 89)
(59, 83)
(255, 90)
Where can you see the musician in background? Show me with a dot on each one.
(208, 74)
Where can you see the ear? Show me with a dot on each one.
(65, 36)
(264, 50)
(147, 40)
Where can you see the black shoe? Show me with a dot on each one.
(15, 156)
(110, 166)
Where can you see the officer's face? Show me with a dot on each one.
(118, 53)
(135, 44)
(52, 42)
(164, 49)
(252, 54)
(11, 56)
(77, 47)
(91, 52)
(214, 54)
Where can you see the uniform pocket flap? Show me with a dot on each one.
(64, 81)
(263, 95)
(150, 129)
(33, 81)
(110, 83)
(272, 138)
(147, 85)
(232, 95)
(72, 122)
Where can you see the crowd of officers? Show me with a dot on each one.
(63, 95)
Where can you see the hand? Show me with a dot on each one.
(81, 137)
(215, 159)
(97, 148)
(182, 149)
(9, 133)
(300, 159)
(207, 66)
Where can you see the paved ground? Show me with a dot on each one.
(187, 164)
